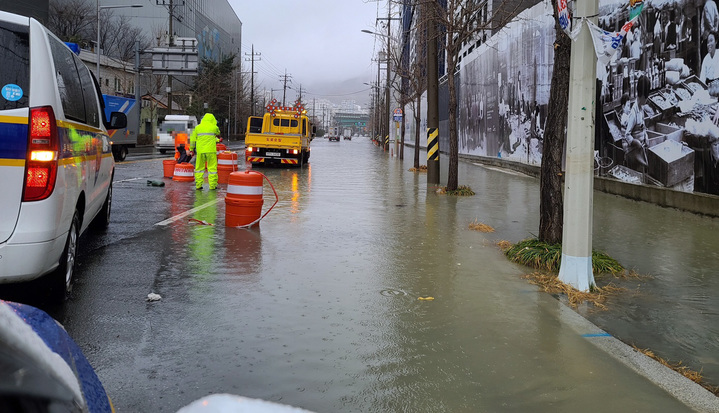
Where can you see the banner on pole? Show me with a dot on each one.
(607, 43)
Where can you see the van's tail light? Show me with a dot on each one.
(42, 154)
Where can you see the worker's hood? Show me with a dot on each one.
(209, 119)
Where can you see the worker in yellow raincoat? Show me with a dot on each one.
(203, 142)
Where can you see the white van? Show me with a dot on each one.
(164, 141)
(56, 164)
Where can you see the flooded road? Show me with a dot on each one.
(319, 307)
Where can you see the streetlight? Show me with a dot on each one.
(388, 62)
(98, 31)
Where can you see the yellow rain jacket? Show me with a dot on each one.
(205, 136)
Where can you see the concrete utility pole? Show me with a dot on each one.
(171, 41)
(430, 17)
(252, 79)
(576, 267)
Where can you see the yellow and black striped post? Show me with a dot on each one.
(433, 155)
(386, 143)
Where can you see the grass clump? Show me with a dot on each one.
(550, 283)
(462, 190)
(422, 168)
(479, 226)
(543, 256)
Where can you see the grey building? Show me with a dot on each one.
(214, 23)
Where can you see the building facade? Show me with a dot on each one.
(214, 24)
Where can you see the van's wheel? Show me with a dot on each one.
(103, 217)
(119, 153)
(61, 279)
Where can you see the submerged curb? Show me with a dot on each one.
(691, 394)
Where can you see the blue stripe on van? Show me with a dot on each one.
(13, 140)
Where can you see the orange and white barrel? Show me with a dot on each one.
(220, 147)
(184, 172)
(243, 202)
(226, 164)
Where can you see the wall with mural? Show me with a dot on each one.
(657, 107)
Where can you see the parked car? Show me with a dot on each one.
(43, 369)
(56, 164)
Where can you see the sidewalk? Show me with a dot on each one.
(672, 310)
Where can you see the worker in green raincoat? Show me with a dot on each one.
(203, 142)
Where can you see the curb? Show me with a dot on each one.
(691, 394)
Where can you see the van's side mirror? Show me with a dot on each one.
(118, 120)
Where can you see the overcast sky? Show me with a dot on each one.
(318, 42)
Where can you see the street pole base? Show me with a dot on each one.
(433, 172)
(577, 272)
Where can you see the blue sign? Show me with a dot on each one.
(12, 92)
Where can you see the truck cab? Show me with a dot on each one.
(281, 136)
(165, 141)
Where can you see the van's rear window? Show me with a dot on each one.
(14, 70)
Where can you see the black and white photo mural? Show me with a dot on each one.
(657, 121)
(505, 90)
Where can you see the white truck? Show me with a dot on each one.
(164, 141)
(347, 134)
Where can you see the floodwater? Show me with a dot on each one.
(320, 306)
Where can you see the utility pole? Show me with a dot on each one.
(252, 79)
(386, 121)
(285, 79)
(432, 93)
(576, 266)
(170, 8)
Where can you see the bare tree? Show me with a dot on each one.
(72, 21)
(463, 21)
(410, 89)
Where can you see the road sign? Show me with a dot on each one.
(397, 115)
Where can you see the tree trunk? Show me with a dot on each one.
(452, 174)
(401, 132)
(417, 125)
(551, 204)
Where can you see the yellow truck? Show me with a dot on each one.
(281, 137)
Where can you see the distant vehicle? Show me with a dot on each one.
(164, 141)
(44, 370)
(56, 162)
(122, 139)
(347, 134)
(281, 137)
(334, 138)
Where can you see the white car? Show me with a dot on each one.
(56, 164)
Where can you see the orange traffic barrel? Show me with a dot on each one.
(168, 168)
(221, 147)
(226, 164)
(184, 172)
(243, 202)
